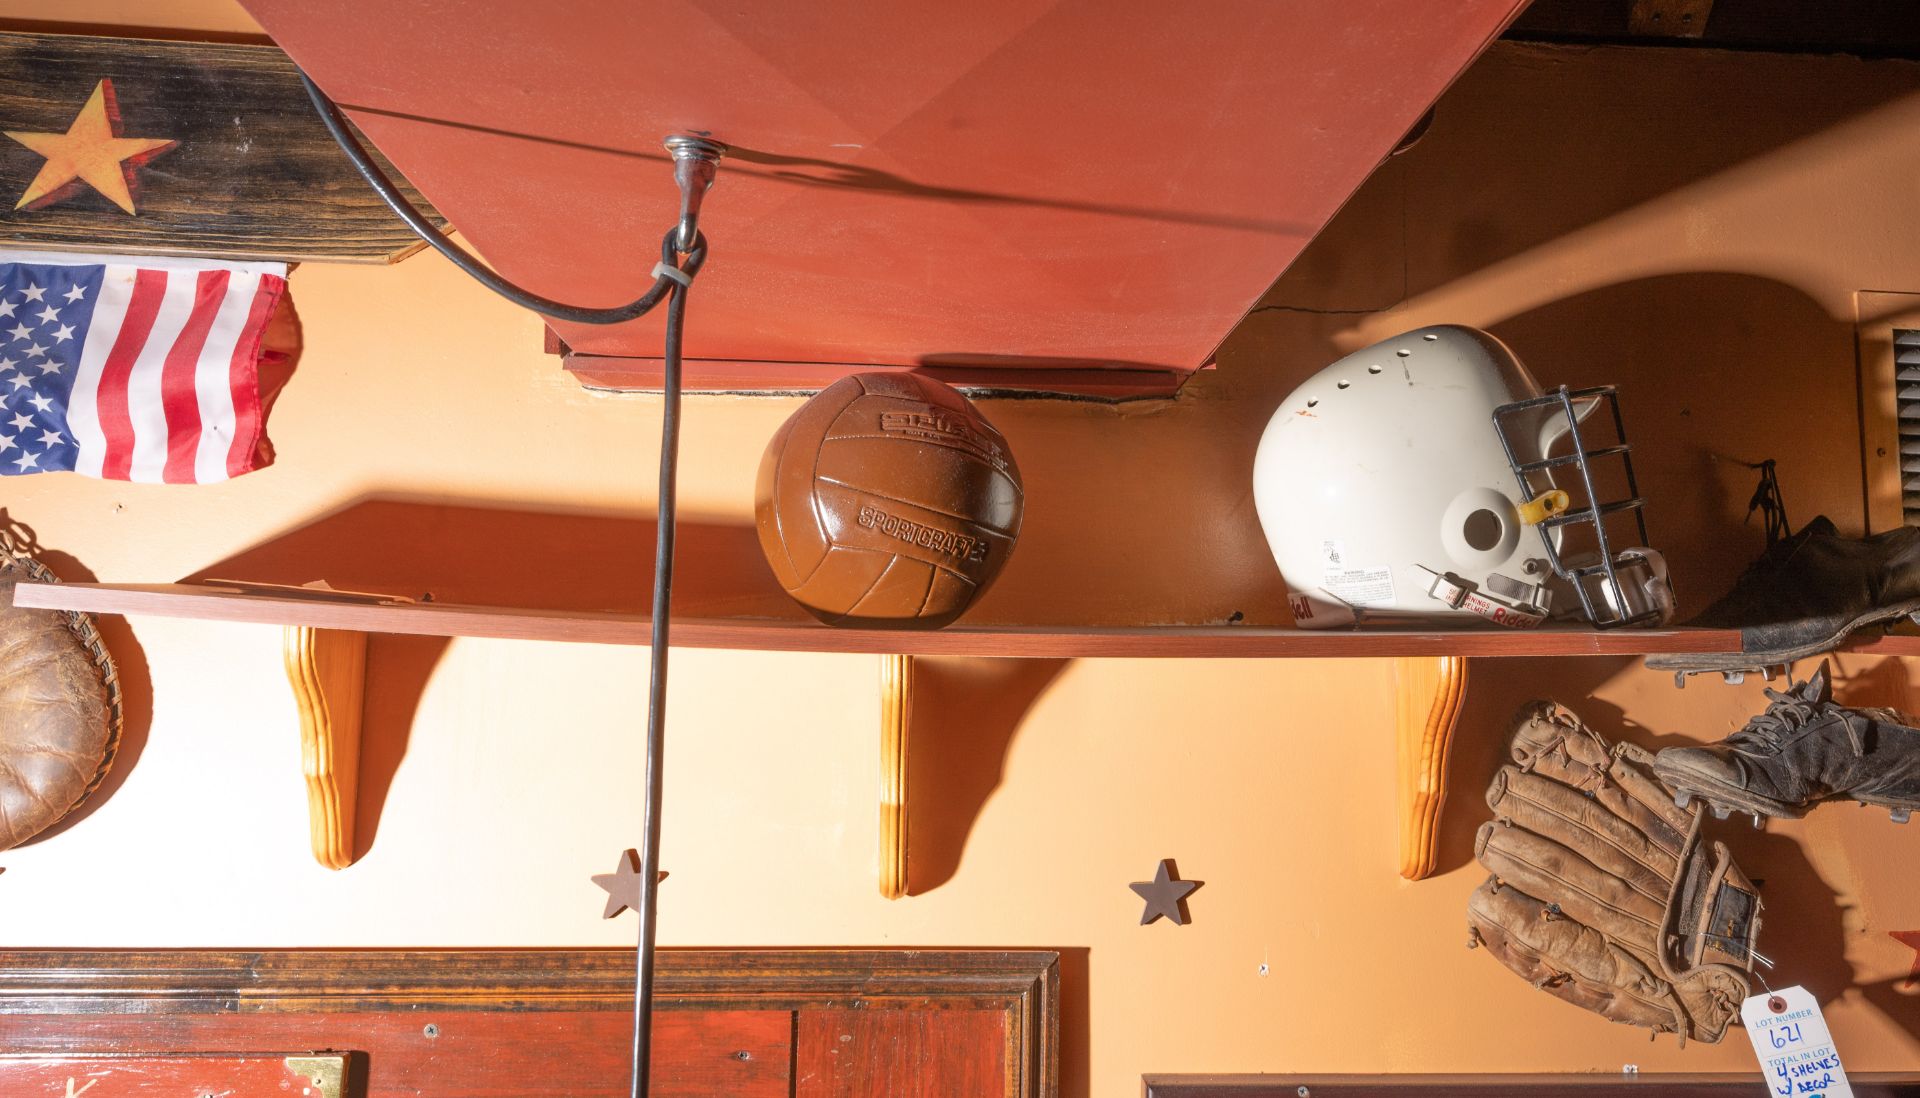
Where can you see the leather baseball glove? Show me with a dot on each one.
(1602, 892)
(59, 705)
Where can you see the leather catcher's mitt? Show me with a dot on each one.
(59, 706)
(1602, 892)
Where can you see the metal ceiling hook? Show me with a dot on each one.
(696, 160)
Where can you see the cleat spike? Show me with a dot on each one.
(1721, 812)
(1734, 678)
(1679, 680)
(1682, 799)
(1759, 824)
(1900, 815)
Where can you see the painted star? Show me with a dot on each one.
(75, 294)
(48, 367)
(1910, 939)
(623, 884)
(49, 313)
(34, 293)
(22, 421)
(20, 331)
(7, 363)
(27, 460)
(36, 351)
(7, 308)
(89, 152)
(6, 443)
(63, 333)
(1166, 896)
(41, 402)
(52, 438)
(20, 381)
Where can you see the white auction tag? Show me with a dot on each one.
(1796, 1052)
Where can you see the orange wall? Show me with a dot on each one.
(1692, 225)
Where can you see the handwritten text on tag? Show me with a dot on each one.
(1796, 1052)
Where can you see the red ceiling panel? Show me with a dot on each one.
(1020, 182)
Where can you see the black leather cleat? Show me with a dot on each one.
(1805, 594)
(1801, 750)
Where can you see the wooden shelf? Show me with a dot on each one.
(212, 603)
(324, 635)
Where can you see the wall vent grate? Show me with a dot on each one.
(1906, 385)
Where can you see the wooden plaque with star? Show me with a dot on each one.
(138, 147)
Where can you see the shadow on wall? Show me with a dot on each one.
(1715, 371)
(1486, 721)
(966, 711)
(965, 714)
(502, 553)
(1604, 130)
(1704, 363)
(488, 554)
(1886, 684)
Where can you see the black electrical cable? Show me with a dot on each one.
(657, 691)
(672, 289)
(663, 284)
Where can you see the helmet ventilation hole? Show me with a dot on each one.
(1343, 384)
(1429, 338)
(1403, 353)
(1373, 369)
(1313, 404)
(1482, 530)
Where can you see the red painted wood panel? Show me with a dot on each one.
(1039, 183)
(506, 1054)
(171, 1076)
(902, 1054)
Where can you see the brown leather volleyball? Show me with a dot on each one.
(887, 500)
(59, 710)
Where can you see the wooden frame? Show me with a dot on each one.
(405, 1012)
(1494, 1086)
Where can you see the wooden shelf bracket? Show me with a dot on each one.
(327, 669)
(1429, 691)
(896, 715)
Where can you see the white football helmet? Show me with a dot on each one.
(1415, 481)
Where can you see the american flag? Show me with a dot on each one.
(131, 369)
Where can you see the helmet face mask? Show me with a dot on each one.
(1428, 480)
(1615, 588)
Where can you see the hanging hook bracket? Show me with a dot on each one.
(696, 160)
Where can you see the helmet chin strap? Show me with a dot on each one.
(1642, 572)
(1459, 594)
